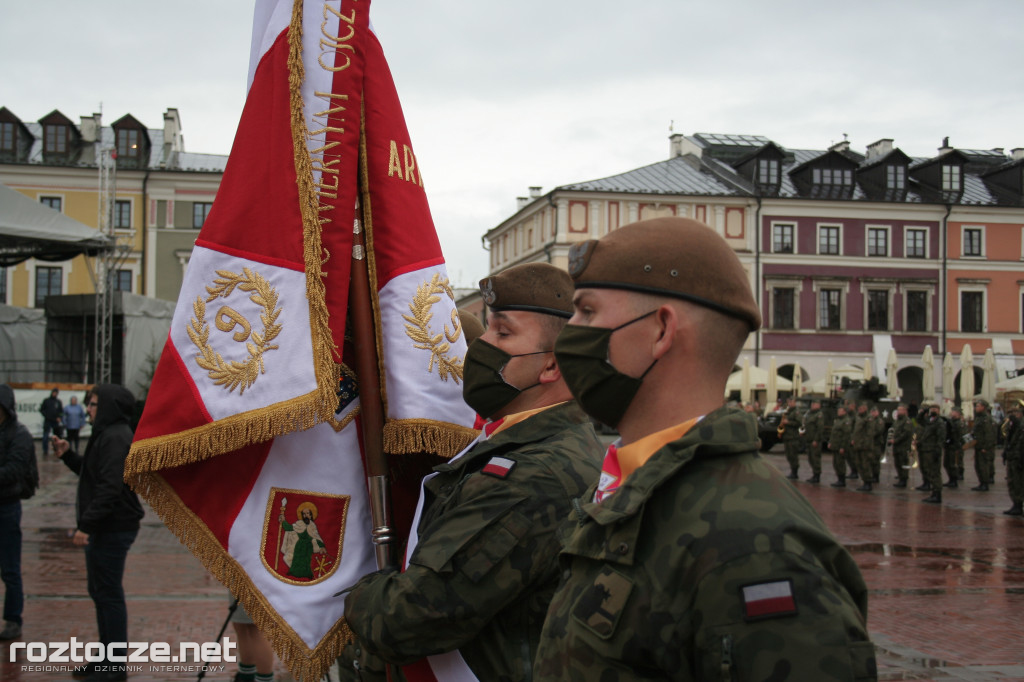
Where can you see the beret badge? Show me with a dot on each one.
(487, 292)
(579, 257)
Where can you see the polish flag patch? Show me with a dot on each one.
(768, 600)
(500, 467)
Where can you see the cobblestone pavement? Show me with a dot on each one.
(946, 600)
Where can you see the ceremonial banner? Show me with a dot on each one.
(250, 446)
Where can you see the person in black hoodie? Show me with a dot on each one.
(17, 453)
(107, 514)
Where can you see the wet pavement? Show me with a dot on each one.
(946, 582)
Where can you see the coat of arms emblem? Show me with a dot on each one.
(303, 533)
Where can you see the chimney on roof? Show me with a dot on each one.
(843, 146)
(945, 146)
(535, 192)
(877, 150)
(522, 202)
(90, 127)
(1017, 153)
(680, 145)
(173, 141)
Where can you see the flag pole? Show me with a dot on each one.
(371, 404)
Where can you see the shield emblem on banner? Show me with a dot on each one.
(303, 533)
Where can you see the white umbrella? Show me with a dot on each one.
(966, 375)
(758, 381)
(745, 382)
(798, 379)
(928, 377)
(867, 369)
(773, 385)
(829, 377)
(892, 367)
(947, 383)
(988, 382)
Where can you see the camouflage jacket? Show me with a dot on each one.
(878, 430)
(814, 426)
(1014, 449)
(793, 422)
(904, 429)
(668, 578)
(984, 432)
(485, 568)
(933, 436)
(842, 429)
(955, 430)
(863, 435)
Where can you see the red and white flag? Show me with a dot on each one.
(249, 447)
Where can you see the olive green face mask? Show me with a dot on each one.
(601, 390)
(483, 386)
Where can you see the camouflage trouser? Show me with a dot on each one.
(901, 459)
(931, 468)
(1015, 478)
(839, 462)
(950, 458)
(792, 446)
(864, 467)
(985, 464)
(814, 457)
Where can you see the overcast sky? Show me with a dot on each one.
(500, 96)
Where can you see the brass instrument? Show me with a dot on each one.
(969, 440)
(914, 463)
(888, 444)
(1004, 429)
(782, 427)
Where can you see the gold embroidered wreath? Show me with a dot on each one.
(234, 374)
(418, 329)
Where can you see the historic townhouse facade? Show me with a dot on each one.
(161, 195)
(851, 253)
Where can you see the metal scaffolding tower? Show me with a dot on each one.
(107, 263)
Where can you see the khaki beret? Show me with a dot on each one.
(982, 402)
(472, 327)
(533, 287)
(675, 257)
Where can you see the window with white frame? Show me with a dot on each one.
(878, 241)
(951, 178)
(878, 310)
(782, 238)
(48, 283)
(55, 203)
(916, 243)
(200, 211)
(972, 310)
(55, 138)
(832, 176)
(830, 308)
(767, 172)
(973, 240)
(917, 310)
(828, 240)
(895, 177)
(784, 307)
(122, 214)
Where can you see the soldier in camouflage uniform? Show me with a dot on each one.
(814, 432)
(904, 430)
(953, 455)
(791, 439)
(930, 446)
(482, 557)
(851, 456)
(700, 562)
(878, 431)
(863, 444)
(839, 444)
(1013, 457)
(984, 446)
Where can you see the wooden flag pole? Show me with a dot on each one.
(371, 407)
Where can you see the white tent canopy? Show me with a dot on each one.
(30, 230)
(758, 381)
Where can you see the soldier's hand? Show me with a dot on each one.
(60, 446)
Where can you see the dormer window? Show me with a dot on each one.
(895, 177)
(951, 178)
(832, 176)
(55, 138)
(127, 143)
(767, 172)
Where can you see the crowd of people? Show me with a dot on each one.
(861, 436)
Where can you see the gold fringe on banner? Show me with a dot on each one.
(303, 663)
(409, 436)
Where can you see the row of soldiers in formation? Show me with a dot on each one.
(860, 436)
